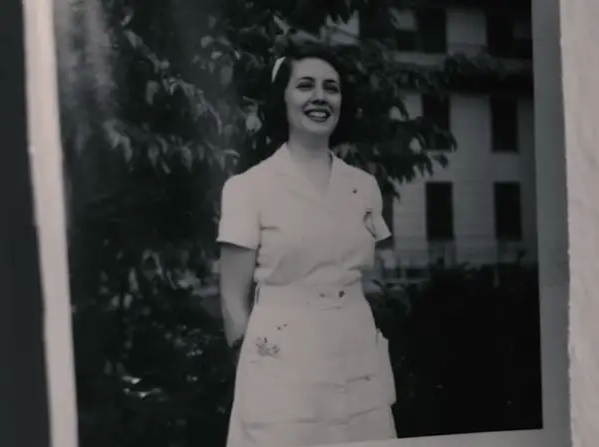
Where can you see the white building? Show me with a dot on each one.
(481, 208)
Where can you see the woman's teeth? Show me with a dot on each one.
(317, 115)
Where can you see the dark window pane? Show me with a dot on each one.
(415, 273)
(432, 30)
(439, 211)
(522, 49)
(504, 125)
(437, 111)
(388, 200)
(406, 40)
(508, 211)
(500, 35)
(376, 24)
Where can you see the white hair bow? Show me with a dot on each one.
(276, 68)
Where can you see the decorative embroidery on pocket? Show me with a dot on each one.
(267, 349)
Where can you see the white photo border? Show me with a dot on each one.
(44, 145)
(46, 156)
(580, 64)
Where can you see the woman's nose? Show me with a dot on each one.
(318, 93)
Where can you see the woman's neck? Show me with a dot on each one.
(315, 160)
(309, 150)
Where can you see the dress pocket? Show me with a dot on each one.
(266, 398)
(274, 379)
(386, 370)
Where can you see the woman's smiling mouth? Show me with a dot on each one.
(320, 115)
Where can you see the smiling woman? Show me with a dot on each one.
(313, 369)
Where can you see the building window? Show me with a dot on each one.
(432, 29)
(504, 125)
(439, 211)
(504, 40)
(388, 210)
(421, 31)
(508, 211)
(437, 110)
(388, 202)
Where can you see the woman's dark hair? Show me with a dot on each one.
(276, 124)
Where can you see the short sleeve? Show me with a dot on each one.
(239, 223)
(381, 231)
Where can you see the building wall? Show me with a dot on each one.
(472, 169)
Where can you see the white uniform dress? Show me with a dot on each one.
(313, 368)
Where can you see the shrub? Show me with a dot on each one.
(465, 346)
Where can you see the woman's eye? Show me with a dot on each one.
(329, 88)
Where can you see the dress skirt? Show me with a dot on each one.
(313, 370)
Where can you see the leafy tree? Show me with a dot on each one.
(161, 102)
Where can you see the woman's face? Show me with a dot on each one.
(313, 97)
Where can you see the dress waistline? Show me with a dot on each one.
(302, 295)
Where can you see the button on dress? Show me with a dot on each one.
(313, 368)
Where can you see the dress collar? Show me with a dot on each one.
(295, 180)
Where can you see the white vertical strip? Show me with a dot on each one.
(552, 229)
(580, 62)
(46, 160)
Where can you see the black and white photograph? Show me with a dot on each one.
(299, 223)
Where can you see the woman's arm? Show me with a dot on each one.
(239, 238)
(236, 276)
